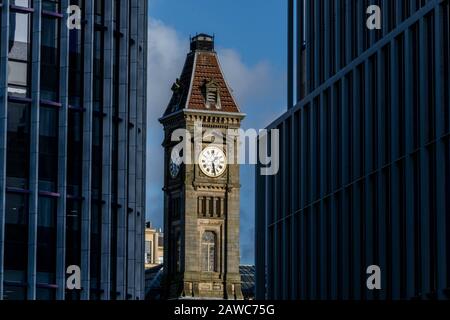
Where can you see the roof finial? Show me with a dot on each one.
(203, 42)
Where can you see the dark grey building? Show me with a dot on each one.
(364, 155)
(72, 148)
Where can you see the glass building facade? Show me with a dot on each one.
(364, 156)
(72, 148)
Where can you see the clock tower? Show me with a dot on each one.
(201, 188)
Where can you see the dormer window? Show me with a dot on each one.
(212, 95)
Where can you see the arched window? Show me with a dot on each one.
(209, 251)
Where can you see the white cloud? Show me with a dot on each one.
(167, 52)
(258, 89)
(247, 83)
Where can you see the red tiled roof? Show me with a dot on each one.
(191, 91)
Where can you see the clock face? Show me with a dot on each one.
(212, 162)
(175, 164)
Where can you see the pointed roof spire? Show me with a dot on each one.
(202, 85)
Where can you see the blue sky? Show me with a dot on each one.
(251, 43)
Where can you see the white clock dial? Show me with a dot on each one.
(175, 164)
(212, 162)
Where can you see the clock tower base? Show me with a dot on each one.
(204, 288)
